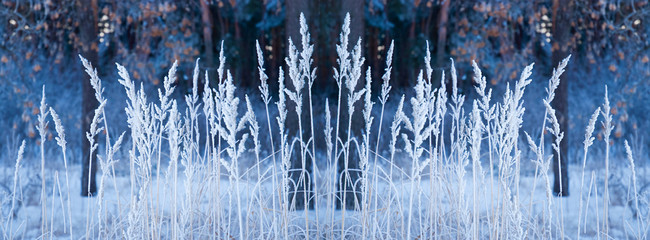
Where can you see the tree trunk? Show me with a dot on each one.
(206, 19)
(443, 15)
(357, 16)
(293, 9)
(89, 47)
(560, 49)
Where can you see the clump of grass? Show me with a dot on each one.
(391, 200)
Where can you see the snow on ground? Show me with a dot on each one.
(532, 195)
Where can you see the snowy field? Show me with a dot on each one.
(27, 220)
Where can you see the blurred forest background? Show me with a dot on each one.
(40, 41)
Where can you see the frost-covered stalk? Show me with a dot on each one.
(42, 130)
(284, 158)
(235, 146)
(457, 137)
(55, 180)
(132, 110)
(637, 210)
(353, 96)
(413, 147)
(607, 125)
(10, 216)
(395, 132)
(92, 134)
(310, 75)
(174, 135)
(328, 141)
(383, 98)
(60, 140)
(208, 111)
(209, 150)
(542, 164)
(191, 146)
(553, 83)
(219, 95)
(475, 138)
(141, 122)
(132, 107)
(105, 164)
(549, 195)
(507, 134)
(434, 119)
(339, 76)
(365, 155)
(266, 98)
(555, 130)
(589, 140)
(437, 111)
(161, 114)
(456, 112)
(489, 115)
(255, 133)
(593, 179)
(295, 74)
(95, 129)
(439, 116)
(433, 168)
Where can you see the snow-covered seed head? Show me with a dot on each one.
(607, 114)
(589, 139)
(19, 158)
(171, 76)
(555, 78)
(254, 126)
(264, 86)
(367, 112)
(304, 31)
(328, 126)
(479, 79)
(355, 71)
(427, 63)
(282, 108)
(195, 80)
(208, 99)
(42, 115)
(94, 78)
(630, 157)
(59, 129)
(454, 78)
(222, 63)
(345, 31)
(385, 86)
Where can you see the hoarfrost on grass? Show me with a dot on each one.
(433, 195)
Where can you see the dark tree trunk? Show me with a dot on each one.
(326, 25)
(560, 49)
(373, 41)
(357, 16)
(443, 16)
(293, 9)
(206, 19)
(89, 47)
(402, 60)
(277, 54)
